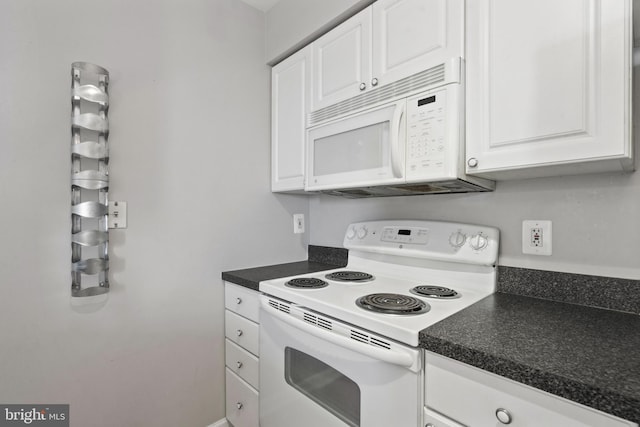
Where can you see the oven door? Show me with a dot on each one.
(313, 374)
(364, 149)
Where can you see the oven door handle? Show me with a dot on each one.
(408, 358)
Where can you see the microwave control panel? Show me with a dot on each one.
(426, 136)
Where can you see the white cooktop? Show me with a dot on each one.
(402, 255)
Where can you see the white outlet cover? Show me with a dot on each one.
(117, 214)
(527, 246)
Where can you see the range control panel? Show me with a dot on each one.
(437, 240)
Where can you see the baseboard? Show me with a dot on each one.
(221, 423)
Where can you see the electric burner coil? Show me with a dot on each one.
(393, 304)
(431, 291)
(306, 283)
(349, 276)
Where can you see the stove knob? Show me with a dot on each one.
(457, 239)
(351, 233)
(362, 232)
(478, 242)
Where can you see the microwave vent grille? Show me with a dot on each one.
(427, 79)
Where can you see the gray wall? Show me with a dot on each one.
(596, 229)
(189, 153)
(595, 219)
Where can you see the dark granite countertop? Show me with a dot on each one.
(320, 258)
(251, 277)
(585, 354)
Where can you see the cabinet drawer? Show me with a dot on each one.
(241, 300)
(242, 363)
(433, 419)
(242, 402)
(241, 331)
(475, 397)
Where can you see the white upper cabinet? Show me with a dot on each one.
(290, 88)
(388, 41)
(548, 87)
(342, 61)
(410, 36)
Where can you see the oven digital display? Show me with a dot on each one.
(411, 235)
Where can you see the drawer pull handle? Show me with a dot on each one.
(238, 300)
(239, 364)
(472, 162)
(363, 86)
(429, 425)
(239, 405)
(239, 332)
(503, 416)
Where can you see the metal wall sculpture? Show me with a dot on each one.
(89, 180)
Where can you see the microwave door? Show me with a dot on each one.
(365, 149)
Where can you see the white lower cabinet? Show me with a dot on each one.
(458, 395)
(242, 402)
(241, 355)
(242, 363)
(242, 331)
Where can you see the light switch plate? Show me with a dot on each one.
(117, 214)
(298, 223)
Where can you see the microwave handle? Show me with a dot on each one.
(396, 161)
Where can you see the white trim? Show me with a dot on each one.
(220, 423)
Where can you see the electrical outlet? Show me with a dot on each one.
(117, 214)
(298, 223)
(536, 237)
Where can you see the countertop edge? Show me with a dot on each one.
(593, 396)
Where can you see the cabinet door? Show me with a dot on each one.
(342, 61)
(290, 89)
(490, 400)
(410, 36)
(242, 402)
(548, 83)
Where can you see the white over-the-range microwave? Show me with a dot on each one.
(401, 139)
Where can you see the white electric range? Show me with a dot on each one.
(329, 339)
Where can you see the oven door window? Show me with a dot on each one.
(324, 385)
